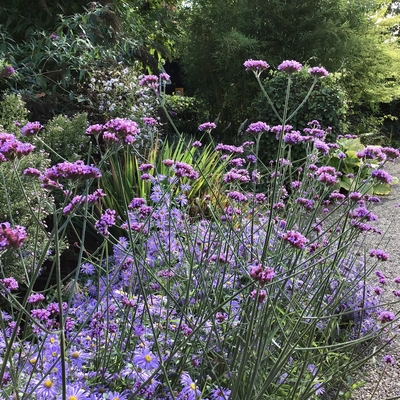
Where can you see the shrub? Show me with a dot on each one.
(116, 93)
(12, 110)
(187, 113)
(64, 138)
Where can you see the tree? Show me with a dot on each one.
(340, 35)
(55, 45)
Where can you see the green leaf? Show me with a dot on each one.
(382, 189)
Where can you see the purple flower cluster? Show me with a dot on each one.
(391, 153)
(106, 221)
(182, 170)
(229, 148)
(321, 146)
(371, 153)
(290, 66)
(294, 137)
(7, 71)
(149, 121)
(150, 81)
(81, 199)
(258, 128)
(9, 283)
(327, 175)
(11, 148)
(386, 316)
(296, 239)
(256, 65)
(11, 238)
(261, 274)
(66, 170)
(379, 254)
(31, 128)
(240, 175)
(381, 176)
(318, 72)
(206, 126)
(115, 130)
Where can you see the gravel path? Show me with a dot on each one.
(386, 381)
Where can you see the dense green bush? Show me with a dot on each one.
(115, 93)
(186, 112)
(65, 137)
(61, 44)
(12, 109)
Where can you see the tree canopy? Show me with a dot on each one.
(345, 37)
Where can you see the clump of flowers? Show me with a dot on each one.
(248, 297)
(11, 238)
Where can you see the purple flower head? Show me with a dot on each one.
(164, 77)
(355, 196)
(257, 128)
(197, 143)
(388, 359)
(123, 128)
(190, 390)
(363, 213)
(229, 148)
(296, 239)
(306, 203)
(259, 296)
(261, 274)
(257, 66)
(7, 71)
(106, 220)
(32, 172)
(391, 153)
(31, 128)
(335, 195)
(11, 238)
(35, 298)
(293, 138)
(9, 283)
(251, 158)
(149, 121)
(386, 316)
(76, 393)
(381, 175)
(379, 254)
(150, 81)
(277, 129)
(46, 387)
(207, 126)
(319, 389)
(95, 129)
(74, 171)
(321, 146)
(289, 66)
(371, 153)
(11, 148)
(185, 170)
(145, 360)
(318, 72)
(146, 167)
(87, 269)
(220, 394)
(53, 36)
